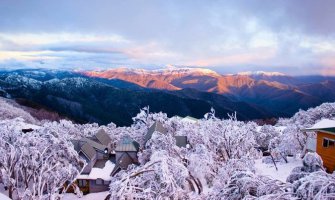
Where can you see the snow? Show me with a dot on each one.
(4, 197)
(248, 73)
(166, 71)
(20, 124)
(284, 169)
(3, 193)
(325, 123)
(280, 129)
(104, 173)
(92, 196)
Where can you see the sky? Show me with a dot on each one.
(294, 37)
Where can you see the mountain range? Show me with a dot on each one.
(279, 94)
(116, 95)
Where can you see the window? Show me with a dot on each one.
(328, 143)
(99, 181)
(81, 183)
(325, 142)
(106, 182)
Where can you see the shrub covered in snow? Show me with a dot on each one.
(247, 185)
(316, 185)
(312, 162)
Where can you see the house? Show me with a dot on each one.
(189, 119)
(155, 127)
(181, 141)
(323, 142)
(125, 154)
(97, 151)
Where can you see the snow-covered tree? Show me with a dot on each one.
(290, 142)
(36, 164)
(247, 185)
(264, 135)
(303, 119)
(160, 178)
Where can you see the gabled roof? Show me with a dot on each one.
(94, 144)
(103, 137)
(76, 145)
(157, 126)
(122, 163)
(181, 141)
(127, 144)
(88, 151)
(325, 125)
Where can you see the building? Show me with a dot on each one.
(97, 152)
(155, 127)
(323, 142)
(181, 141)
(125, 154)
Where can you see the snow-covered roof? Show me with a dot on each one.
(23, 125)
(325, 123)
(99, 173)
(189, 119)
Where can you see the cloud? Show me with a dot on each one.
(270, 35)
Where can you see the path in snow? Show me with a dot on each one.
(92, 196)
(284, 169)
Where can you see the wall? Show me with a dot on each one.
(327, 154)
(98, 188)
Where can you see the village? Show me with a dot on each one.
(108, 161)
(104, 160)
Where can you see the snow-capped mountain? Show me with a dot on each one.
(197, 78)
(249, 73)
(273, 90)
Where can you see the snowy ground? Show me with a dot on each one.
(67, 196)
(284, 169)
(93, 196)
(3, 197)
(104, 173)
(3, 192)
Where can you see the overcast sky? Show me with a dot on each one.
(294, 37)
